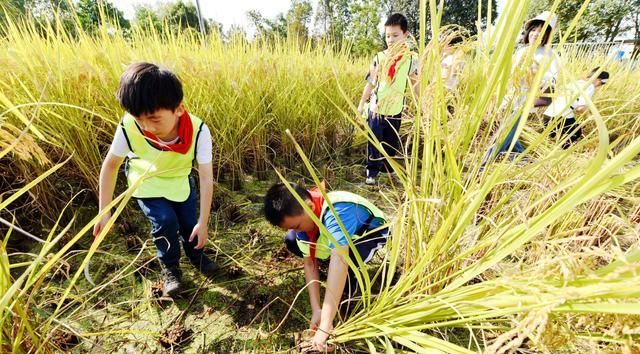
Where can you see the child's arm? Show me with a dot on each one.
(580, 110)
(413, 76)
(312, 277)
(201, 230)
(366, 94)
(108, 177)
(336, 278)
(415, 84)
(371, 78)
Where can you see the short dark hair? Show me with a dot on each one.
(279, 202)
(533, 24)
(397, 19)
(145, 88)
(602, 76)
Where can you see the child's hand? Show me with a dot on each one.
(319, 342)
(101, 224)
(201, 232)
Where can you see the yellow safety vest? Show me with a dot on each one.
(323, 251)
(165, 173)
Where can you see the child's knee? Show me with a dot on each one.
(163, 223)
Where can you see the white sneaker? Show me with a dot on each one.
(370, 181)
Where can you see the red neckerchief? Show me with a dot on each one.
(318, 200)
(185, 132)
(392, 68)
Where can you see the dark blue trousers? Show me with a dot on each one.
(171, 225)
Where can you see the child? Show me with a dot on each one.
(387, 81)
(160, 141)
(544, 58)
(565, 107)
(362, 221)
(452, 62)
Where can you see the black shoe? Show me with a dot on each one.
(172, 280)
(205, 265)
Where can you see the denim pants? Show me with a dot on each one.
(504, 146)
(172, 224)
(387, 130)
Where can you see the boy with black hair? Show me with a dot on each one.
(387, 80)
(160, 141)
(571, 101)
(364, 225)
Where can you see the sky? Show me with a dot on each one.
(227, 12)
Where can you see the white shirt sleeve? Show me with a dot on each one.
(119, 145)
(204, 149)
(588, 92)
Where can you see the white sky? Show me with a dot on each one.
(228, 12)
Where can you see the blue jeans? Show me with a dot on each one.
(517, 147)
(172, 224)
(387, 130)
(504, 146)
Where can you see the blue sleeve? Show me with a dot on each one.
(352, 217)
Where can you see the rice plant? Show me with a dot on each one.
(485, 254)
(535, 253)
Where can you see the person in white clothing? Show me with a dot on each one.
(538, 33)
(571, 101)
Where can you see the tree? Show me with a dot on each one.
(603, 20)
(12, 9)
(146, 17)
(294, 24)
(333, 19)
(363, 32)
(92, 13)
(181, 15)
(465, 13)
(459, 12)
(58, 13)
(298, 18)
(236, 33)
(257, 21)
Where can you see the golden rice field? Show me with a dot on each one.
(536, 254)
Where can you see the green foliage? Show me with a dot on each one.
(294, 24)
(298, 19)
(333, 19)
(147, 17)
(94, 14)
(602, 21)
(363, 32)
(11, 8)
(181, 15)
(463, 13)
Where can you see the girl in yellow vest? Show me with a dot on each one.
(364, 224)
(389, 76)
(160, 142)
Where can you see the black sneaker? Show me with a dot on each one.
(172, 280)
(205, 265)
